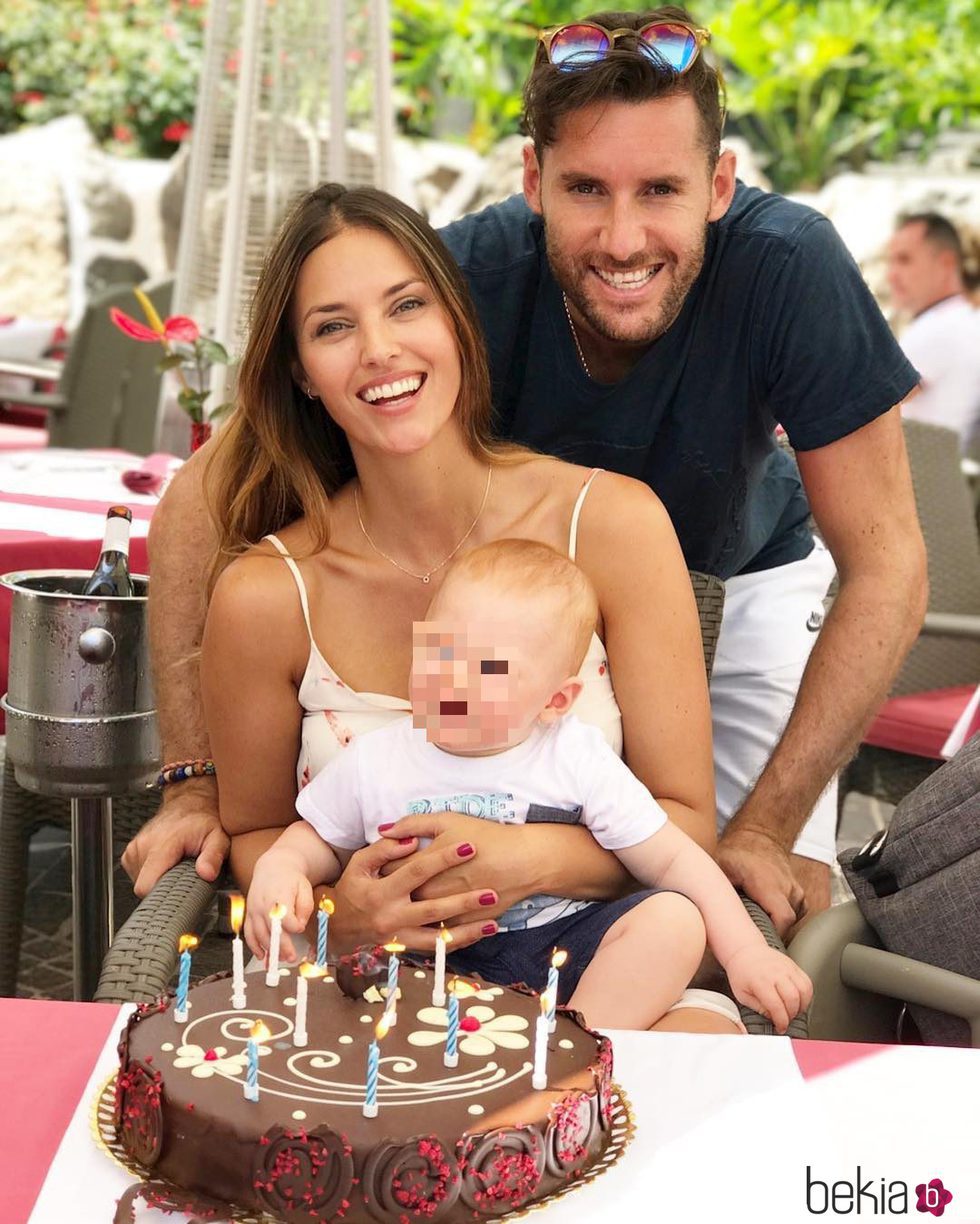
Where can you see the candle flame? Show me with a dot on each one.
(237, 913)
(381, 1028)
(310, 969)
(187, 943)
(278, 911)
(545, 1003)
(558, 958)
(444, 934)
(327, 906)
(395, 946)
(259, 1032)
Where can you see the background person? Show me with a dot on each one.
(942, 340)
(646, 313)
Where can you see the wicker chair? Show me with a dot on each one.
(947, 654)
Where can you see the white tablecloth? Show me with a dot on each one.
(725, 1130)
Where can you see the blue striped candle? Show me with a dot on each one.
(322, 918)
(258, 1033)
(557, 960)
(370, 1108)
(451, 1056)
(391, 1002)
(185, 946)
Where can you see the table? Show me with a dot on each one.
(52, 516)
(727, 1127)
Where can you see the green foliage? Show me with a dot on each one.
(129, 67)
(820, 84)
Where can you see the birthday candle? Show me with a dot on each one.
(391, 1002)
(184, 946)
(258, 1033)
(370, 1108)
(276, 915)
(237, 953)
(307, 970)
(557, 960)
(439, 983)
(539, 1075)
(451, 1056)
(323, 917)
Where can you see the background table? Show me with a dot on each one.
(725, 1126)
(52, 516)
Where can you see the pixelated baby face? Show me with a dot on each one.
(480, 685)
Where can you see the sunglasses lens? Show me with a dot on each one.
(578, 46)
(673, 46)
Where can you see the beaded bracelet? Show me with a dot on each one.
(180, 771)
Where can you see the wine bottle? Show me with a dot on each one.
(111, 574)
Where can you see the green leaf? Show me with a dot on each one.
(169, 363)
(211, 350)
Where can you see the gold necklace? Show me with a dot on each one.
(578, 347)
(445, 561)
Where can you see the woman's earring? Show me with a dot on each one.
(311, 394)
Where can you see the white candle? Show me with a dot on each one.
(539, 1075)
(300, 1037)
(276, 915)
(439, 982)
(237, 954)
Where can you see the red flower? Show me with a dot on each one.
(177, 327)
(176, 131)
(28, 95)
(122, 133)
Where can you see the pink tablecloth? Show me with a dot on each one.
(728, 1129)
(52, 516)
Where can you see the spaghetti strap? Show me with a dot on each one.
(300, 584)
(579, 502)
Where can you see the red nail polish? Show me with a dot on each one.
(405, 841)
(487, 898)
(389, 825)
(465, 850)
(489, 929)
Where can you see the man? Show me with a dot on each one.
(925, 272)
(646, 314)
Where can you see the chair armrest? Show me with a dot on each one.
(951, 625)
(141, 962)
(756, 1024)
(40, 369)
(913, 981)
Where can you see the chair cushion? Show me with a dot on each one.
(919, 723)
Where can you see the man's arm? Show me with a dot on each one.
(860, 492)
(181, 545)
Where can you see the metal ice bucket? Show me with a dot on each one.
(79, 704)
(81, 724)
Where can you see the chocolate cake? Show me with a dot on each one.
(448, 1144)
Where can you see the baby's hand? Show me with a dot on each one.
(770, 983)
(276, 881)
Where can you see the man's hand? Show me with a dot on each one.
(757, 864)
(186, 826)
(769, 982)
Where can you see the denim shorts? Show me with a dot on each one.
(524, 956)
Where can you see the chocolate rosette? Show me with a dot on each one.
(418, 1180)
(303, 1175)
(139, 1113)
(501, 1169)
(604, 1083)
(571, 1134)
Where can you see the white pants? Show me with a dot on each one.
(770, 624)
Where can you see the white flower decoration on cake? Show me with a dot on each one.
(220, 1063)
(481, 1030)
(487, 994)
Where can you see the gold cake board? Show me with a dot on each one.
(622, 1128)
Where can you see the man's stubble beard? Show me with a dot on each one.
(670, 306)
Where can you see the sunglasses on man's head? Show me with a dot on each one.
(668, 44)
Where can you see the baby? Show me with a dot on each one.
(494, 676)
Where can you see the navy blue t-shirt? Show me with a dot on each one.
(778, 327)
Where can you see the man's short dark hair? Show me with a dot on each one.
(938, 231)
(623, 76)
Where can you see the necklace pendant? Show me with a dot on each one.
(425, 577)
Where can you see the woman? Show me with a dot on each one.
(362, 439)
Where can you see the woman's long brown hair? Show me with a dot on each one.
(280, 456)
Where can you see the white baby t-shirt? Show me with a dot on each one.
(564, 772)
